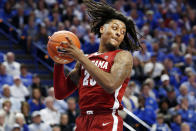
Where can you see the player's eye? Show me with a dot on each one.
(123, 32)
(114, 28)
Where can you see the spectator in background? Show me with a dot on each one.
(26, 77)
(174, 73)
(49, 27)
(80, 29)
(6, 12)
(159, 53)
(64, 123)
(135, 15)
(143, 55)
(135, 89)
(68, 15)
(41, 11)
(193, 32)
(164, 109)
(56, 128)
(184, 94)
(22, 4)
(153, 68)
(42, 36)
(162, 41)
(130, 102)
(191, 84)
(160, 125)
(72, 110)
(19, 119)
(6, 95)
(36, 102)
(90, 46)
(60, 105)
(150, 20)
(20, 19)
(176, 122)
(9, 115)
(162, 89)
(189, 63)
(55, 18)
(29, 31)
(50, 115)
(186, 113)
(191, 47)
(12, 67)
(31, 5)
(137, 73)
(149, 101)
(176, 56)
(192, 17)
(174, 29)
(152, 91)
(18, 90)
(37, 124)
(171, 97)
(4, 77)
(36, 83)
(185, 127)
(146, 113)
(25, 110)
(127, 102)
(16, 127)
(181, 45)
(3, 125)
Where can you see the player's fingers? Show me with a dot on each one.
(60, 49)
(64, 43)
(49, 37)
(67, 53)
(69, 40)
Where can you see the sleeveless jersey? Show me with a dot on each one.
(93, 96)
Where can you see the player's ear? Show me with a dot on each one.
(101, 30)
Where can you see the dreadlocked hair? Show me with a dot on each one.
(101, 13)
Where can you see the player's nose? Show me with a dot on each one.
(117, 34)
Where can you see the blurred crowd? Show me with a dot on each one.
(162, 89)
(27, 105)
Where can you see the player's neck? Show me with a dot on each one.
(103, 48)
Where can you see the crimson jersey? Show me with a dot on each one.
(93, 96)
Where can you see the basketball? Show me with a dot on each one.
(55, 41)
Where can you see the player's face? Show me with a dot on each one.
(112, 33)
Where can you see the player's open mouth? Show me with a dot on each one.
(115, 40)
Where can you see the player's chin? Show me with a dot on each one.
(111, 46)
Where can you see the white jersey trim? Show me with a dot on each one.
(115, 106)
(116, 102)
(115, 124)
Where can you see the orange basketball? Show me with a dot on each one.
(55, 42)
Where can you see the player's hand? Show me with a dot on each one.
(68, 48)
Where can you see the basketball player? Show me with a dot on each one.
(100, 77)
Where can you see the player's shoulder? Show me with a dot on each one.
(124, 54)
(124, 57)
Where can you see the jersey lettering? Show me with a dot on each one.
(87, 81)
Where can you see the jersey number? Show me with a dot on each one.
(87, 81)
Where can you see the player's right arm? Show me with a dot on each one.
(65, 86)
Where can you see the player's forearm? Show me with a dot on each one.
(63, 86)
(104, 79)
